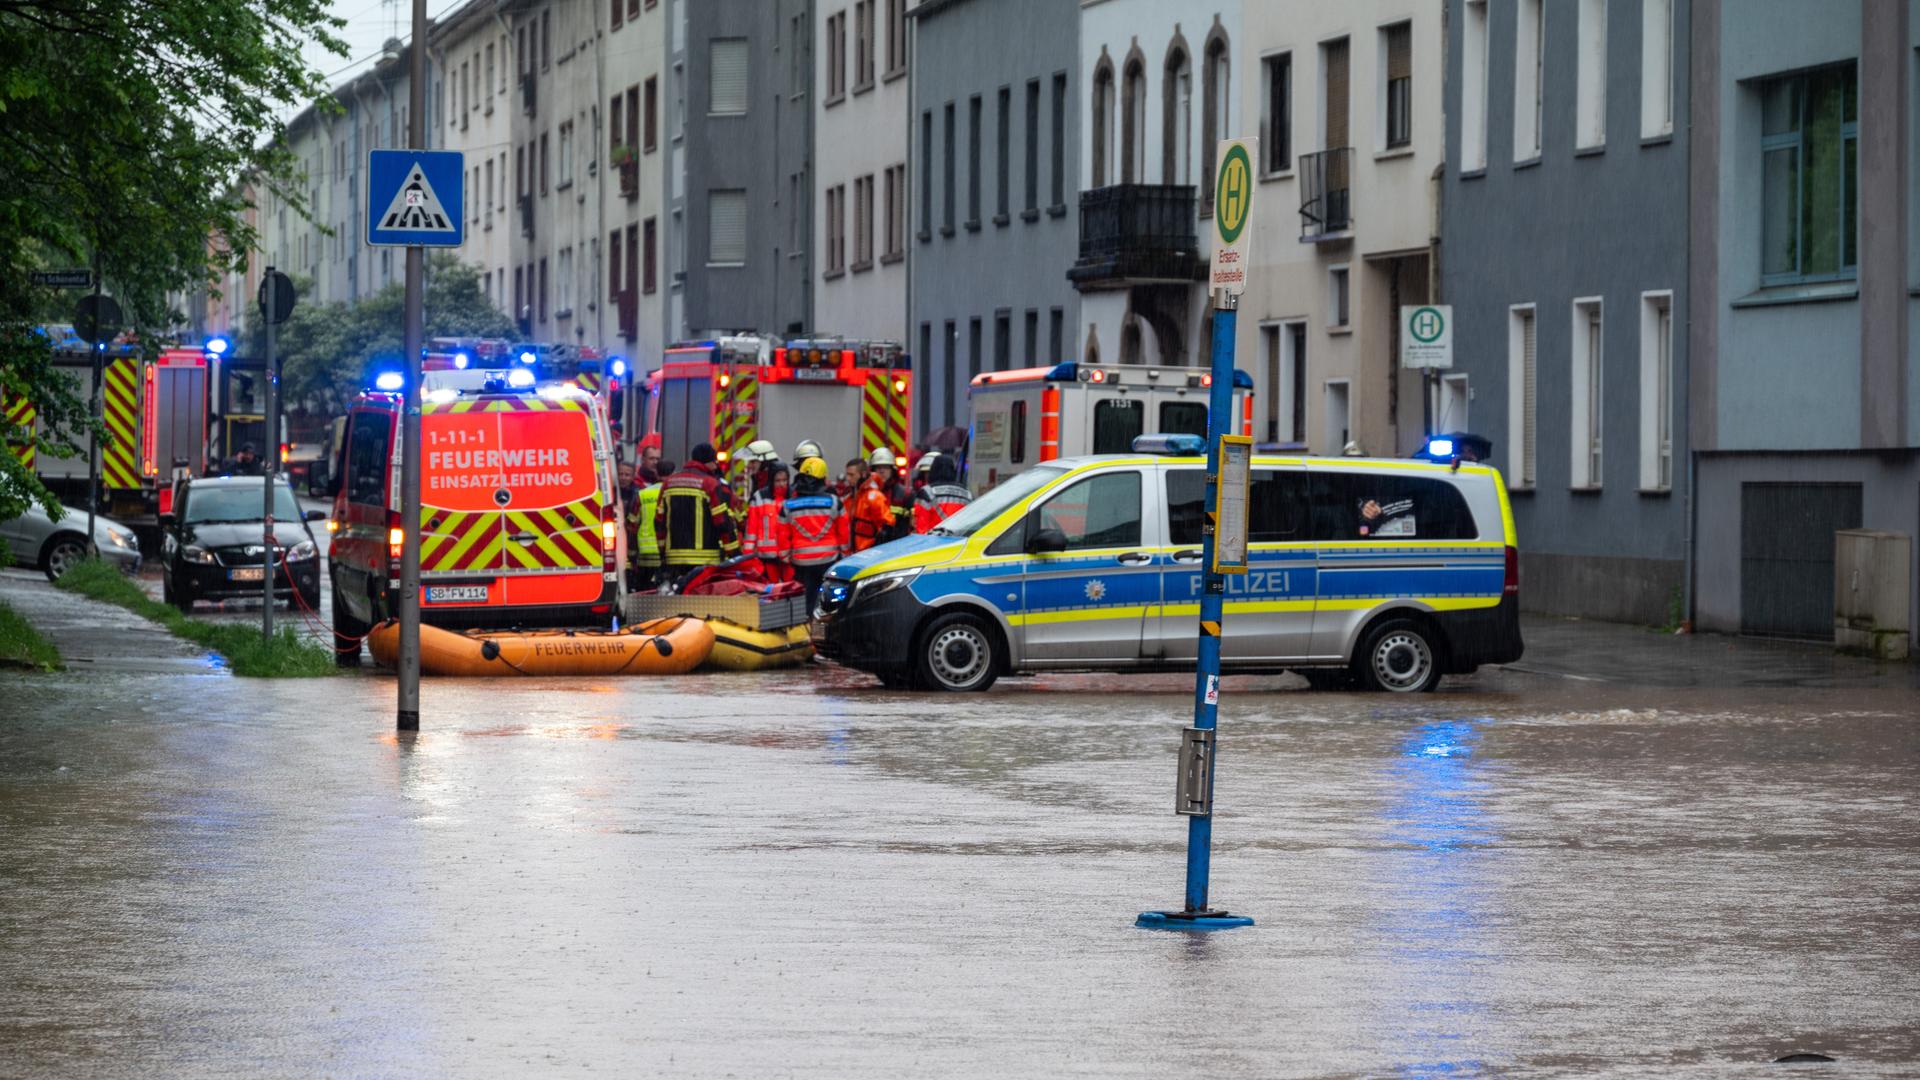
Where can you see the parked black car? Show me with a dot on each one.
(212, 546)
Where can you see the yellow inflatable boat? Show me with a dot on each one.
(737, 648)
(656, 647)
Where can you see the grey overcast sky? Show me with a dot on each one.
(369, 24)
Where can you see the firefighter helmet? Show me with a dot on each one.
(925, 464)
(880, 456)
(761, 450)
(815, 467)
(808, 449)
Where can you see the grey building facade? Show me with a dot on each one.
(988, 289)
(1805, 278)
(1564, 255)
(740, 80)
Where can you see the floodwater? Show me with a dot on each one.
(802, 875)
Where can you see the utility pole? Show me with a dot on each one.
(407, 716)
(272, 375)
(96, 406)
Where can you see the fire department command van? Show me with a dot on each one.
(1390, 573)
(519, 517)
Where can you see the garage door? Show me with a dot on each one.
(1786, 556)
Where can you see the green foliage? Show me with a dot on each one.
(283, 656)
(327, 351)
(126, 129)
(21, 646)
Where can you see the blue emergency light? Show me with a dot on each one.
(520, 378)
(1170, 445)
(390, 381)
(1440, 448)
(527, 356)
(218, 346)
(462, 360)
(618, 368)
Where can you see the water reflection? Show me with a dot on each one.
(1434, 907)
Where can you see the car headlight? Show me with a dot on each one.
(196, 553)
(302, 551)
(121, 539)
(879, 584)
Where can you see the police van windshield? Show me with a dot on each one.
(970, 518)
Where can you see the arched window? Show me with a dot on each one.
(1102, 119)
(1216, 94)
(1131, 347)
(1133, 120)
(1176, 136)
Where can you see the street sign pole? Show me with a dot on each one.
(96, 408)
(1233, 198)
(407, 717)
(272, 450)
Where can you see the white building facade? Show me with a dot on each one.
(860, 209)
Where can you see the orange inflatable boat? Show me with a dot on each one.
(659, 647)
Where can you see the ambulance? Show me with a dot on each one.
(851, 397)
(519, 518)
(1032, 415)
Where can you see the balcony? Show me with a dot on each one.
(1137, 234)
(1326, 195)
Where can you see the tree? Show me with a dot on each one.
(328, 352)
(125, 127)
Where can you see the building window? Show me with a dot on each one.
(1216, 94)
(1529, 53)
(1056, 335)
(950, 345)
(543, 289)
(618, 14)
(1589, 397)
(1176, 128)
(543, 163)
(489, 186)
(1590, 76)
(1102, 134)
(1032, 204)
(1656, 68)
(1656, 391)
(891, 194)
(727, 77)
(1336, 298)
(863, 222)
(633, 115)
(925, 358)
(947, 167)
(727, 227)
(1473, 87)
(974, 347)
(973, 161)
(862, 45)
(546, 39)
(649, 114)
(926, 175)
(1033, 336)
(1335, 102)
(896, 36)
(564, 305)
(1133, 122)
(1396, 48)
(1003, 166)
(1002, 339)
(1523, 395)
(1059, 201)
(836, 56)
(1809, 173)
(1276, 119)
(649, 256)
(836, 230)
(566, 153)
(615, 129)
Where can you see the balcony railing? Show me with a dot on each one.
(1326, 190)
(1133, 233)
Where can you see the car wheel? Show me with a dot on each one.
(347, 632)
(958, 652)
(63, 553)
(1400, 656)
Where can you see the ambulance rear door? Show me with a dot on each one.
(1102, 417)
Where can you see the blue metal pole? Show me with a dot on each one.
(1206, 689)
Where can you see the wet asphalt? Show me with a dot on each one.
(1533, 872)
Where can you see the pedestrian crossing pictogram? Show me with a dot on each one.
(415, 206)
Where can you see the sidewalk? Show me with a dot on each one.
(1616, 653)
(93, 636)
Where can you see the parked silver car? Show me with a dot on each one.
(57, 546)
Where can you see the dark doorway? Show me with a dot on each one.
(1786, 556)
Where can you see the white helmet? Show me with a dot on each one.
(761, 450)
(925, 464)
(808, 448)
(1353, 449)
(880, 456)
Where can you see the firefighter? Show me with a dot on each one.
(852, 479)
(766, 538)
(920, 470)
(805, 449)
(694, 517)
(652, 470)
(886, 470)
(813, 520)
(942, 497)
(643, 537)
(876, 506)
(760, 458)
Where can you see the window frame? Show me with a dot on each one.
(1796, 141)
(1526, 442)
(1032, 518)
(1276, 119)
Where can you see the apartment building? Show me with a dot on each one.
(1160, 93)
(1346, 101)
(472, 47)
(989, 183)
(743, 127)
(1565, 248)
(860, 68)
(623, 153)
(1804, 271)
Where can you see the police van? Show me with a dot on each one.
(1388, 573)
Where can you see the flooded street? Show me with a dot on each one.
(803, 875)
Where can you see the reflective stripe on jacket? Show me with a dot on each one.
(871, 515)
(936, 503)
(640, 521)
(815, 528)
(766, 537)
(694, 517)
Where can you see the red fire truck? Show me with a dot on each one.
(849, 396)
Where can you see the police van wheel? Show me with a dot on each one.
(1400, 657)
(958, 652)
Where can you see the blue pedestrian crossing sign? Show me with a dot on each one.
(415, 198)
